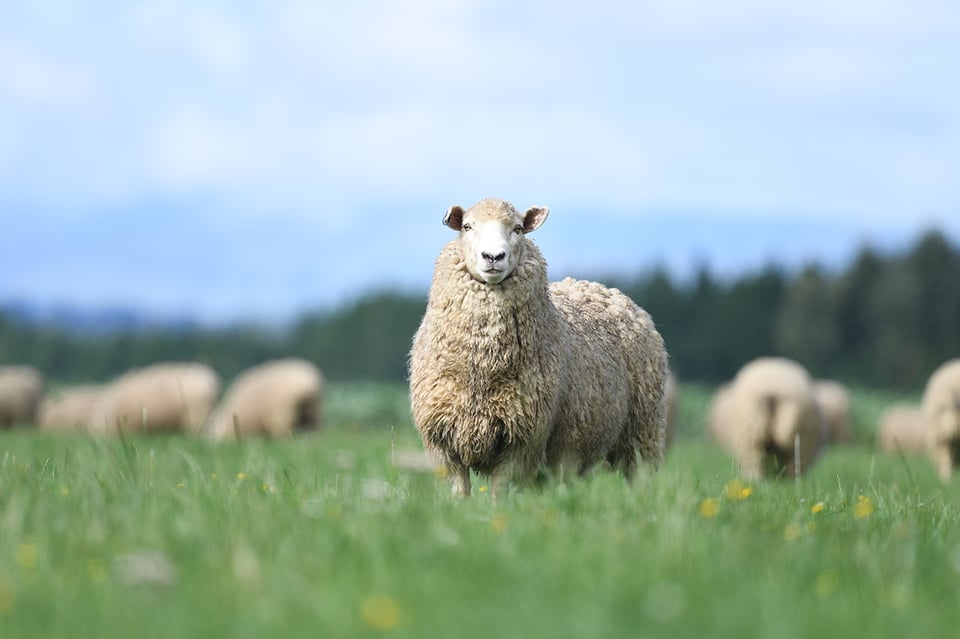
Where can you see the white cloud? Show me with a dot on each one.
(663, 104)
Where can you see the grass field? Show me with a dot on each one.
(324, 536)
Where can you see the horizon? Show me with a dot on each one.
(110, 316)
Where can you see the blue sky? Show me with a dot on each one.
(229, 160)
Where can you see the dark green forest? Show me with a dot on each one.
(885, 320)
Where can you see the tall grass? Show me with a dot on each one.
(325, 536)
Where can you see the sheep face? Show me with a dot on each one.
(492, 236)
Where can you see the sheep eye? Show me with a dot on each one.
(467, 227)
(518, 229)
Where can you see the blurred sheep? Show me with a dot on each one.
(770, 420)
(68, 409)
(167, 397)
(833, 398)
(273, 399)
(941, 415)
(20, 390)
(900, 428)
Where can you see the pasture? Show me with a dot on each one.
(330, 535)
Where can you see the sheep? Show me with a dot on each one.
(164, 397)
(941, 415)
(274, 399)
(900, 428)
(510, 376)
(20, 390)
(834, 401)
(770, 421)
(68, 409)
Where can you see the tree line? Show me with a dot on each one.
(886, 320)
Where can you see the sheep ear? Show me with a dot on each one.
(534, 217)
(454, 217)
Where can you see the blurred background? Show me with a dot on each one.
(229, 182)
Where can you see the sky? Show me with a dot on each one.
(229, 161)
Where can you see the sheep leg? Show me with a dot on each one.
(567, 468)
(498, 484)
(460, 480)
(651, 449)
(751, 464)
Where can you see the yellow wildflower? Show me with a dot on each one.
(483, 488)
(241, 476)
(709, 508)
(380, 612)
(864, 507)
(498, 523)
(181, 485)
(64, 491)
(735, 490)
(817, 508)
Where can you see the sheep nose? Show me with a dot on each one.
(493, 258)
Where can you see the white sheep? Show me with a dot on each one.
(68, 409)
(770, 420)
(20, 390)
(941, 415)
(509, 374)
(165, 397)
(833, 398)
(274, 399)
(900, 428)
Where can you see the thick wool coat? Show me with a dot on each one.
(522, 374)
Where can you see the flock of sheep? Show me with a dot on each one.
(273, 399)
(774, 419)
(512, 377)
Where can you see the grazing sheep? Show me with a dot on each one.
(68, 409)
(20, 390)
(900, 428)
(834, 401)
(509, 374)
(941, 415)
(166, 397)
(274, 399)
(774, 420)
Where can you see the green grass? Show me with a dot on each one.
(323, 537)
